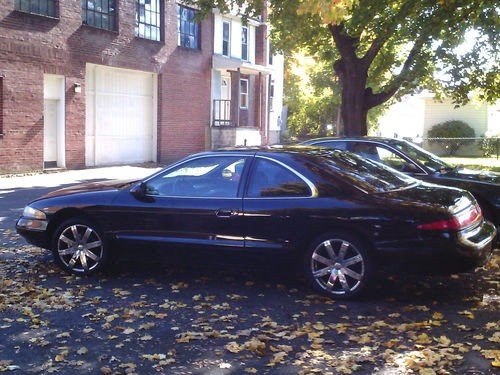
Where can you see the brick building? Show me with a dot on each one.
(100, 82)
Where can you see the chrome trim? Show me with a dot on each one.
(312, 187)
(192, 197)
(487, 227)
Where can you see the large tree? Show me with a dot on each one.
(382, 48)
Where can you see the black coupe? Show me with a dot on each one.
(419, 163)
(333, 210)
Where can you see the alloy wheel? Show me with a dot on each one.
(338, 267)
(80, 248)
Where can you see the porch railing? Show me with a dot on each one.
(222, 113)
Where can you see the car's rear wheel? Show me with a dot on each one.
(78, 247)
(338, 265)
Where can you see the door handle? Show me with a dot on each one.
(225, 213)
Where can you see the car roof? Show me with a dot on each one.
(274, 149)
(357, 138)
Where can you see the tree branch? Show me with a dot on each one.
(373, 100)
(345, 43)
(379, 42)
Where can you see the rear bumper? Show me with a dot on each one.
(475, 244)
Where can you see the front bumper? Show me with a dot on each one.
(34, 231)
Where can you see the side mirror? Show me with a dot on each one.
(139, 190)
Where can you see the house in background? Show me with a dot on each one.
(415, 115)
(247, 83)
(91, 82)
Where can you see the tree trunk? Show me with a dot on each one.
(354, 111)
(354, 106)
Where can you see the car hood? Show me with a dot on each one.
(471, 175)
(424, 195)
(90, 187)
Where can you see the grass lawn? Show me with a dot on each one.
(491, 164)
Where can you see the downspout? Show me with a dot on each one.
(260, 103)
(238, 75)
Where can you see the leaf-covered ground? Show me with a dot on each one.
(207, 317)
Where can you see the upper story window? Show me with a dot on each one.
(243, 93)
(271, 94)
(100, 14)
(226, 37)
(244, 43)
(148, 19)
(41, 7)
(188, 28)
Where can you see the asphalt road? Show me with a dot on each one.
(230, 314)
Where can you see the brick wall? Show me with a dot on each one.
(185, 84)
(31, 46)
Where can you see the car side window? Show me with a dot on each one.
(270, 179)
(336, 145)
(395, 161)
(216, 176)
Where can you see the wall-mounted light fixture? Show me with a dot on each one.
(78, 88)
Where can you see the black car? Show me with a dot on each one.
(415, 161)
(332, 209)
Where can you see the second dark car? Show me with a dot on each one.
(332, 210)
(419, 163)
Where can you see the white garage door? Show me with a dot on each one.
(120, 116)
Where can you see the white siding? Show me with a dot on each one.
(235, 41)
(404, 119)
(475, 115)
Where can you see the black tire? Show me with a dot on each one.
(78, 247)
(338, 265)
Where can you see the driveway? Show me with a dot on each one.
(205, 314)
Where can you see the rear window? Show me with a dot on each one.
(364, 174)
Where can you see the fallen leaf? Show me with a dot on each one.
(83, 350)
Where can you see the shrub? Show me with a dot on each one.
(453, 133)
(490, 145)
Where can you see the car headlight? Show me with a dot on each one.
(33, 213)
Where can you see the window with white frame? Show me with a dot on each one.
(226, 37)
(99, 13)
(243, 93)
(271, 94)
(188, 28)
(148, 19)
(244, 43)
(40, 7)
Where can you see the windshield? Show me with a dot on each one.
(418, 154)
(365, 174)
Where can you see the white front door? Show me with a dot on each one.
(225, 95)
(225, 88)
(53, 121)
(50, 109)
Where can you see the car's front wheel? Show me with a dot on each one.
(338, 265)
(78, 247)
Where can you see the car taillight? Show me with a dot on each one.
(459, 221)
